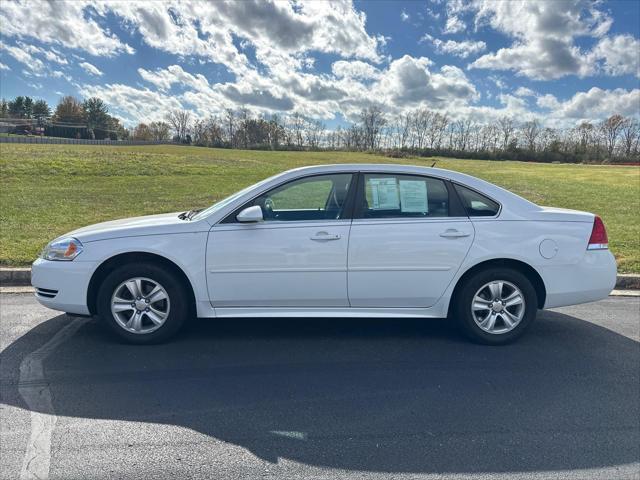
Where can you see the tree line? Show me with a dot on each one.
(72, 118)
(417, 132)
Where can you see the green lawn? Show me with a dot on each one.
(47, 190)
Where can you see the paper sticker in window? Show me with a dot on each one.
(384, 194)
(413, 196)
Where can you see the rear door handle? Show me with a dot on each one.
(453, 233)
(325, 237)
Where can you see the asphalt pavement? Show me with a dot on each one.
(321, 399)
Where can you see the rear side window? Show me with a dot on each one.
(400, 196)
(475, 204)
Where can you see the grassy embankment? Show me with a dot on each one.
(47, 190)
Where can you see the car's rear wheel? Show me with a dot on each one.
(495, 306)
(143, 303)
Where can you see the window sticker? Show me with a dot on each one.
(413, 196)
(384, 193)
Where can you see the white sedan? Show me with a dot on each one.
(335, 241)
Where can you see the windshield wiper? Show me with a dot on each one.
(190, 214)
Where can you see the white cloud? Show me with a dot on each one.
(50, 55)
(620, 55)
(133, 104)
(354, 69)
(543, 36)
(455, 9)
(59, 23)
(60, 74)
(454, 25)
(594, 104)
(498, 81)
(174, 74)
(432, 14)
(4, 67)
(461, 49)
(408, 81)
(541, 59)
(524, 92)
(275, 29)
(21, 55)
(404, 16)
(91, 69)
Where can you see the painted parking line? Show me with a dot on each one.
(37, 395)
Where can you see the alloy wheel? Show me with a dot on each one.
(498, 307)
(140, 305)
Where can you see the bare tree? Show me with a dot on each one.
(460, 134)
(230, 125)
(142, 132)
(372, 120)
(422, 119)
(401, 128)
(160, 131)
(630, 136)
(435, 134)
(313, 131)
(180, 121)
(610, 129)
(507, 127)
(297, 126)
(531, 132)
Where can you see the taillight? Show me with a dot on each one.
(598, 239)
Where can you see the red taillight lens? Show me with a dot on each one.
(598, 239)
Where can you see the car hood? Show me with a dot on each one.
(165, 223)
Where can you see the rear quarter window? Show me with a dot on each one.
(476, 204)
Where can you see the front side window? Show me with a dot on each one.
(321, 197)
(391, 196)
(475, 204)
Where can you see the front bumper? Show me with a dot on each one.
(589, 280)
(62, 285)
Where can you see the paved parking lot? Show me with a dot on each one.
(334, 399)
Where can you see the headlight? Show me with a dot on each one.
(65, 249)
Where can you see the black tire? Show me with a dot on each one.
(464, 298)
(178, 312)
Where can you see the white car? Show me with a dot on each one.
(335, 241)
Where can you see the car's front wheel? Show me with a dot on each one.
(495, 306)
(143, 303)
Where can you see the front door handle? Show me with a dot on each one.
(324, 237)
(453, 233)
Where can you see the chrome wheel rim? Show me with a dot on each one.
(140, 305)
(498, 307)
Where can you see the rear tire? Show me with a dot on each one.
(143, 303)
(495, 306)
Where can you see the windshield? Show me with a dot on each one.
(226, 201)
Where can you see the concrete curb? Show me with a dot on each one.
(16, 277)
(628, 281)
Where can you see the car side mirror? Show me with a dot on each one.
(250, 215)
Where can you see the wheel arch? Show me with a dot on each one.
(518, 265)
(110, 264)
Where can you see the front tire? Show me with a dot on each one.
(143, 303)
(495, 306)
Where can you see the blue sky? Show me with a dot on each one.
(559, 61)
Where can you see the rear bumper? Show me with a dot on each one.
(587, 281)
(62, 285)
